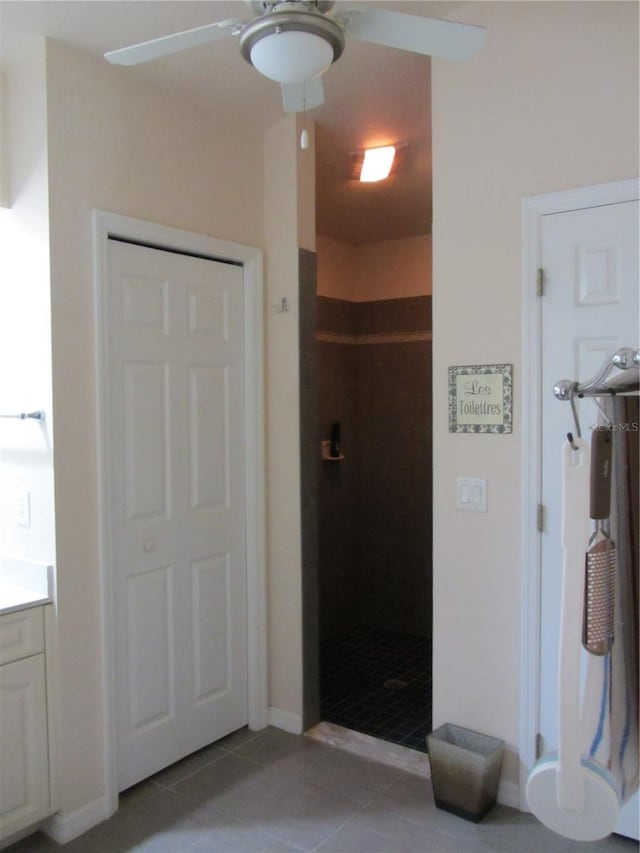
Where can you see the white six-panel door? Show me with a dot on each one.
(589, 310)
(176, 438)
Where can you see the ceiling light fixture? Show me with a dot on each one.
(377, 163)
(291, 47)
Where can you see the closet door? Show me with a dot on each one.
(178, 538)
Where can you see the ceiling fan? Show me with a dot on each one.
(294, 41)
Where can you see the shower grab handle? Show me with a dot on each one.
(325, 453)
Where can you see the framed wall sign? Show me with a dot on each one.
(480, 398)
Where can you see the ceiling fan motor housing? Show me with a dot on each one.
(260, 7)
(257, 38)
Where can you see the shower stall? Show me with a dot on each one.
(374, 473)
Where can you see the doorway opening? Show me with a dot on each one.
(374, 509)
(368, 646)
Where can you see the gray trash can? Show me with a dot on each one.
(465, 770)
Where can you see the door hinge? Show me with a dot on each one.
(539, 282)
(540, 747)
(540, 518)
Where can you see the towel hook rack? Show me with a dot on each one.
(626, 359)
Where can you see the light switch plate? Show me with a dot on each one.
(23, 510)
(471, 494)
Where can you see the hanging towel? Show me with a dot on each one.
(610, 702)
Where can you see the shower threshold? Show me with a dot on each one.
(366, 746)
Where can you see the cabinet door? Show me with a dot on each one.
(24, 773)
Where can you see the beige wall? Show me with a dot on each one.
(305, 182)
(337, 269)
(289, 217)
(283, 429)
(551, 103)
(115, 143)
(389, 269)
(26, 458)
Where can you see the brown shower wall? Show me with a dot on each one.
(374, 508)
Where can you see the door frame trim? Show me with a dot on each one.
(106, 225)
(534, 209)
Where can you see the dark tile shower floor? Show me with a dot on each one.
(379, 683)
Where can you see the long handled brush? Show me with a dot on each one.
(600, 563)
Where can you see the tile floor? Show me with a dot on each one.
(379, 683)
(278, 793)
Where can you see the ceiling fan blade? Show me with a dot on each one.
(298, 97)
(155, 48)
(443, 39)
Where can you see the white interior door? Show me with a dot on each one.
(176, 442)
(590, 309)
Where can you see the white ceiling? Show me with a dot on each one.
(374, 95)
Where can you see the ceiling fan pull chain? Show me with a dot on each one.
(304, 136)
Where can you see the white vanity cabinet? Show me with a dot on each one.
(24, 752)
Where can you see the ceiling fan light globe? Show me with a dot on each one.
(292, 56)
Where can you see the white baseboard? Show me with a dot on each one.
(285, 720)
(65, 827)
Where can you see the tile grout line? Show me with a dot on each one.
(224, 753)
(338, 828)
